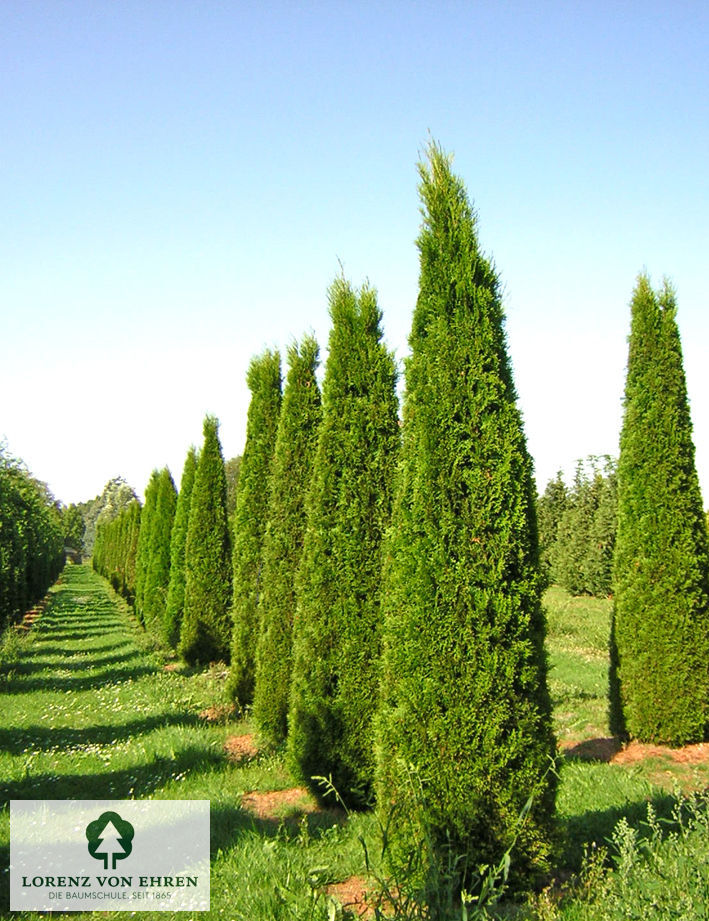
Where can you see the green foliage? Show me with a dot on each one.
(338, 618)
(116, 495)
(661, 565)
(74, 527)
(465, 705)
(658, 870)
(31, 539)
(232, 469)
(205, 631)
(550, 507)
(178, 542)
(250, 518)
(116, 548)
(283, 543)
(157, 577)
(581, 552)
(145, 542)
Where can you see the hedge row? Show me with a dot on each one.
(31, 540)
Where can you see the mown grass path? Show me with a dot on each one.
(89, 712)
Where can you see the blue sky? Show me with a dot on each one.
(180, 182)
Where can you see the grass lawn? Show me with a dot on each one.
(91, 712)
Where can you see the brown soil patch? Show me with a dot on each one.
(611, 750)
(274, 803)
(218, 713)
(241, 748)
(637, 751)
(172, 667)
(352, 895)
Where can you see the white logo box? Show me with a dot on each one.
(109, 855)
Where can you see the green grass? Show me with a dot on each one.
(89, 711)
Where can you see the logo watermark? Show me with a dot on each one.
(117, 855)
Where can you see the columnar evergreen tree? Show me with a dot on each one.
(283, 542)
(142, 562)
(132, 514)
(551, 506)
(464, 734)
(250, 517)
(661, 565)
(176, 589)
(205, 631)
(157, 577)
(598, 565)
(337, 631)
(115, 549)
(582, 553)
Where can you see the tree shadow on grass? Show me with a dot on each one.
(20, 684)
(597, 826)
(128, 783)
(62, 658)
(229, 823)
(43, 738)
(4, 879)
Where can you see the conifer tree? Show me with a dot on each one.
(250, 517)
(661, 566)
(205, 631)
(157, 577)
(582, 554)
(132, 514)
(337, 631)
(464, 733)
(142, 562)
(176, 589)
(283, 543)
(550, 509)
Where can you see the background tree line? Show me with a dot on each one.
(31, 539)
(577, 527)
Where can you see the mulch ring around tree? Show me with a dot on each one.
(276, 804)
(289, 804)
(239, 748)
(219, 713)
(612, 750)
(352, 895)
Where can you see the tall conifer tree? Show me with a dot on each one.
(661, 565)
(283, 542)
(142, 562)
(250, 517)
(338, 618)
(205, 631)
(178, 541)
(464, 734)
(158, 573)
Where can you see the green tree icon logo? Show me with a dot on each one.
(110, 839)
